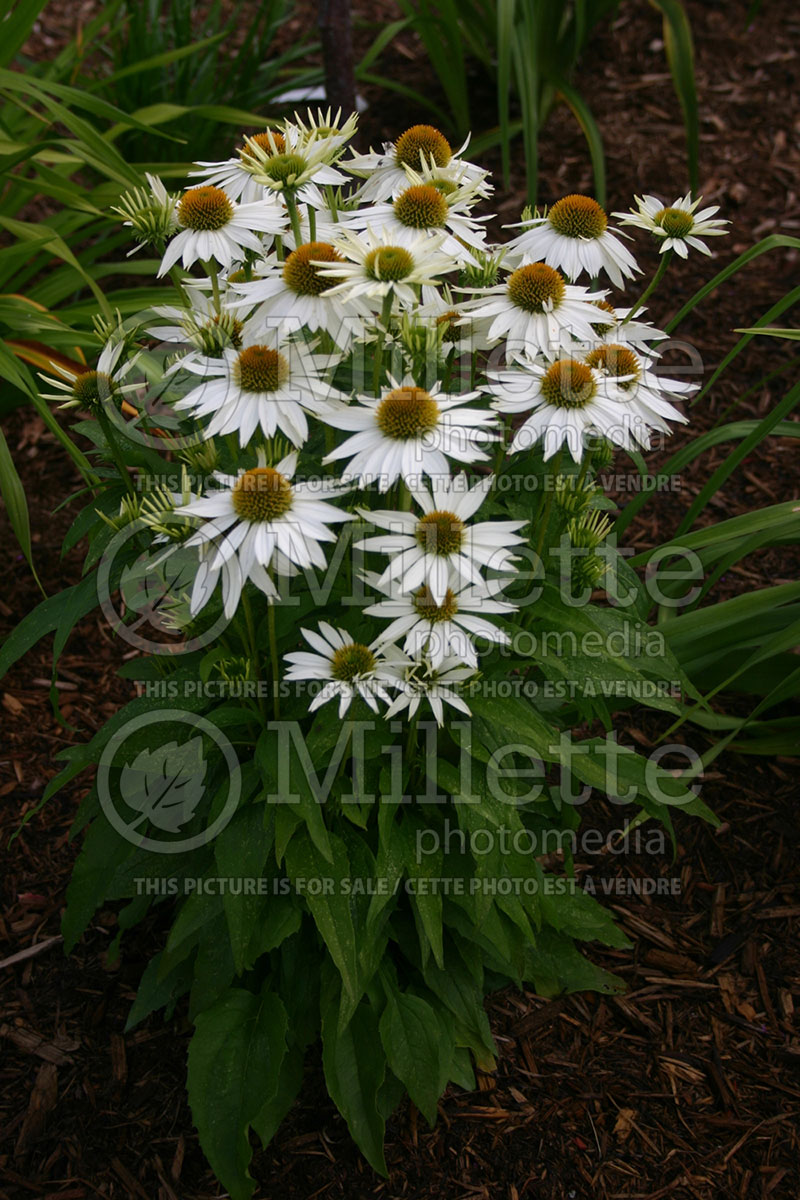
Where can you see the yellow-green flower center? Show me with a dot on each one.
(429, 610)
(389, 264)
(300, 273)
(406, 413)
(284, 168)
(534, 286)
(568, 384)
(578, 217)
(440, 532)
(259, 369)
(262, 494)
(204, 208)
(604, 306)
(676, 222)
(352, 662)
(616, 361)
(421, 143)
(92, 389)
(421, 207)
(268, 143)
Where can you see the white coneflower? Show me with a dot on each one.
(618, 328)
(235, 175)
(565, 402)
(376, 266)
(677, 226)
(439, 631)
(426, 207)
(302, 162)
(324, 129)
(295, 293)
(535, 308)
(260, 520)
(200, 326)
(270, 385)
(458, 327)
(419, 147)
(416, 681)
(95, 389)
(574, 237)
(348, 669)
(628, 379)
(150, 214)
(213, 227)
(429, 549)
(410, 432)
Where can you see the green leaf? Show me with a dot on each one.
(103, 850)
(18, 20)
(156, 992)
(235, 1060)
(555, 965)
(298, 766)
(329, 906)
(413, 1043)
(241, 852)
(354, 1068)
(290, 1080)
(680, 56)
(16, 505)
(775, 241)
(591, 131)
(792, 335)
(580, 916)
(461, 995)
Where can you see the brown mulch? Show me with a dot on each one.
(687, 1086)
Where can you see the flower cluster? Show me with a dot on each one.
(353, 348)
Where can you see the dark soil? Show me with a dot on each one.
(689, 1084)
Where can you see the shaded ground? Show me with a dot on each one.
(688, 1086)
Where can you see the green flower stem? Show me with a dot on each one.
(213, 272)
(544, 516)
(279, 247)
(312, 222)
(175, 276)
(403, 497)
(116, 453)
(255, 663)
(411, 741)
(448, 371)
(294, 217)
(273, 654)
(587, 460)
(330, 195)
(500, 453)
(383, 327)
(651, 287)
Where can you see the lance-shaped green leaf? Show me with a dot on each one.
(354, 1070)
(235, 1060)
(414, 1048)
